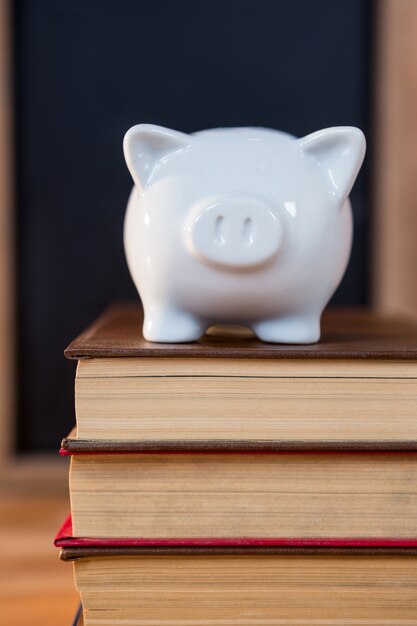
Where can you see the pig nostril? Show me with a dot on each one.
(248, 231)
(218, 230)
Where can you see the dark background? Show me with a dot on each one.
(87, 71)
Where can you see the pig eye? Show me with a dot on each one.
(263, 164)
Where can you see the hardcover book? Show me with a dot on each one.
(251, 495)
(356, 388)
(138, 584)
(231, 481)
(157, 423)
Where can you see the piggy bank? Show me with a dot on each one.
(245, 226)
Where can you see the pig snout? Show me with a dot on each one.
(234, 232)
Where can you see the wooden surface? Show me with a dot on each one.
(346, 334)
(36, 588)
(394, 159)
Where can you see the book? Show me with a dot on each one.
(357, 387)
(194, 495)
(231, 585)
(72, 546)
(239, 590)
(233, 482)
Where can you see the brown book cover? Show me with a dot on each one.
(346, 334)
(77, 553)
(71, 446)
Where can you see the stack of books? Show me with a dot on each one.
(233, 482)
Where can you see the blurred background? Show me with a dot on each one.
(74, 76)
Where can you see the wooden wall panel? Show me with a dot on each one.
(395, 207)
(6, 237)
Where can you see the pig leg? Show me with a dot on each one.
(289, 329)
(169, 325)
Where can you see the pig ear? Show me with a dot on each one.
(145, 146)
(339, 153)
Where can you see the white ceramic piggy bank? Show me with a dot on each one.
(242, 226)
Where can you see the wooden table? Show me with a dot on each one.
(36, 588)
